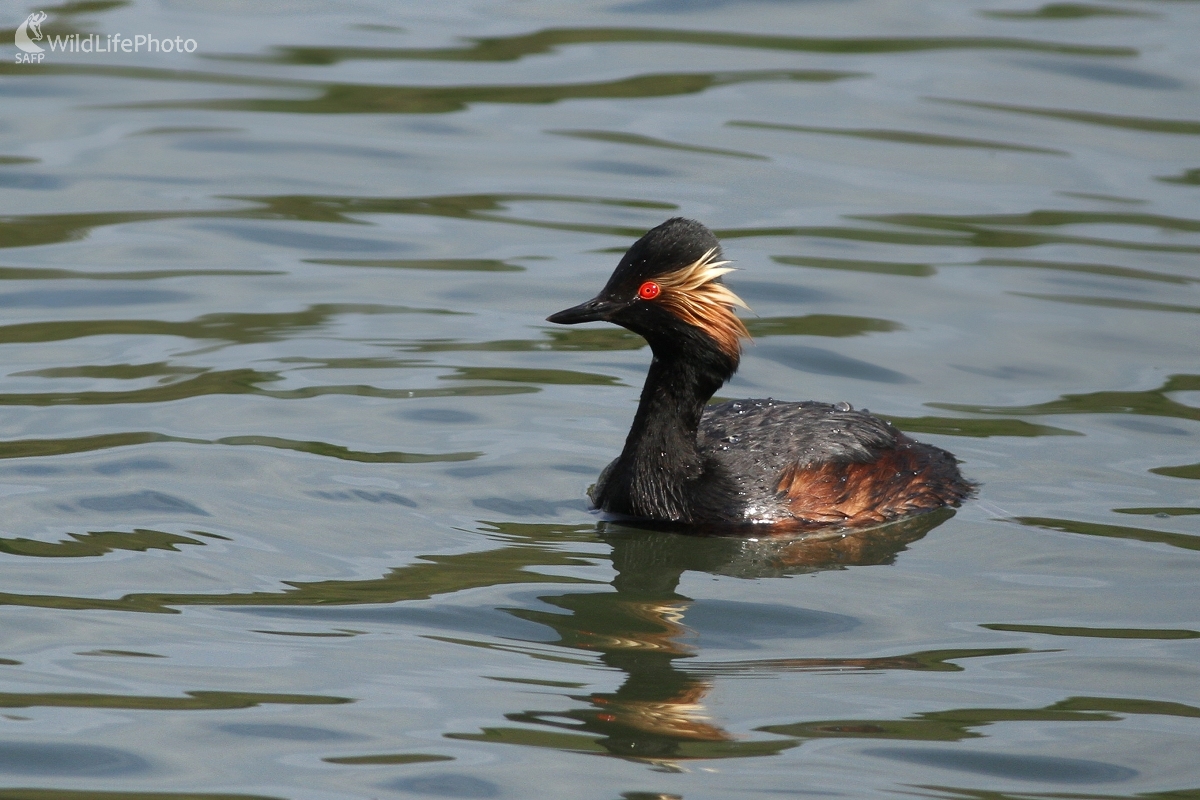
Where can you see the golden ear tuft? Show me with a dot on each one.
(694, 294)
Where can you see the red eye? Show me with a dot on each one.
(649, 290)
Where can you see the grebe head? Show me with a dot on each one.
(668, 289)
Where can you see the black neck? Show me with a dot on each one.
(656, 473)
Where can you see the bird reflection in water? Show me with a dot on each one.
(658, 715)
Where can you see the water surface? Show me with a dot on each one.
(293, 471)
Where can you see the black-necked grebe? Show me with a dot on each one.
(743, 462)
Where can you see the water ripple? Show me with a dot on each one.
(901, 137)
(1182, 540)
(1098, 633)
(1049, 769)
(32, 448)
(345, 98)
(514, 48)
(68, 760)
(97, 543)
(637, 140)
(1066, 11)
(192, 701)
(1183, 127)
(1155, 402)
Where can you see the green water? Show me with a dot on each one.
(292, 470)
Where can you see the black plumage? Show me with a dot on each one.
(744, 462)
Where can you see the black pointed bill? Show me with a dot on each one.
(593, 310)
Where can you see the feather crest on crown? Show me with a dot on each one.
(695, 294)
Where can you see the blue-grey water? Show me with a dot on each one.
(292, 470)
